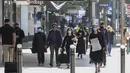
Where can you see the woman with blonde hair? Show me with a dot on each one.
(110, 38)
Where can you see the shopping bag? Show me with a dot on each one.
(95, 44)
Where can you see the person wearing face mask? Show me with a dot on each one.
(81, 47)
(96, 47)
(68, 40)
(54, 40)
(39, 45)
(19, 37)
(104, 32)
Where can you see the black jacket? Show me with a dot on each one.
(20, 33)
(59, 37)
(39, 42)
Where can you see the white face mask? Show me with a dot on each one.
(69, 32)
(39, 30)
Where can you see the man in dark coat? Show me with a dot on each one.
(104, 32)
(39, 45)
(54, 40)
(19, 37)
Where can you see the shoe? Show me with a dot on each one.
(39, 64)
(81, 56)
(68, 65)
(51, 65)
(78, 55)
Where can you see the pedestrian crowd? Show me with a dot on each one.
(98, 39)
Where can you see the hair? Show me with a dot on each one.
(7, 20)
(72, 33)
(39, 28)
(102, 23)
(54, 24)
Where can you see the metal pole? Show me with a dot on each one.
(11, 17)
(118, 12)
(105, 15)
(20, 61)
(1, 22)
(114, 21)
(14, 11)
(122, 6)
(72, 59)
(93, 12)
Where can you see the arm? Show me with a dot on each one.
(60, 38)
(22, 34)
(107, 36)
(48, 38)
(64, 42)
(14, 39)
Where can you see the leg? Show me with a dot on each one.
(15, 54)
(68, 54)
(56, 53)
(5, 53)
(104, 58)
(109, 48)
(96, 67)
(39, 58)
(11, 52)
(51, 55)
(43, 58)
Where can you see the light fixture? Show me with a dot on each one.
(57, 6)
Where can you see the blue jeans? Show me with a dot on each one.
(109, 47)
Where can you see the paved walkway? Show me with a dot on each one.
(82, 65)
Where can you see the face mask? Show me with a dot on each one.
(69, 32)
(39, 30)
(102, 27)
(16, 27)
(94, 29)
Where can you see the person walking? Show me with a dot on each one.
(68, 40)
(97, 44)
(54, 40)
(19, 37)
(110, 38)
(81, 47)
(39, 45)
(8, 40)
(104, 32)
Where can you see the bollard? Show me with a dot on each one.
(19, 59)
(123, 58)
(72, 59)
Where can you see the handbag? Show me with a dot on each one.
(62, 58)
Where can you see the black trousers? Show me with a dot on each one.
(40, 57)
(104, 58)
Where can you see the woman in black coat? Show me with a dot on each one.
(39, 43)
(81, 47)
(96, 52)
(68, 40)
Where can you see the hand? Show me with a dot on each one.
(13, 45)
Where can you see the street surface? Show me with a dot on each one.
(82, 65)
